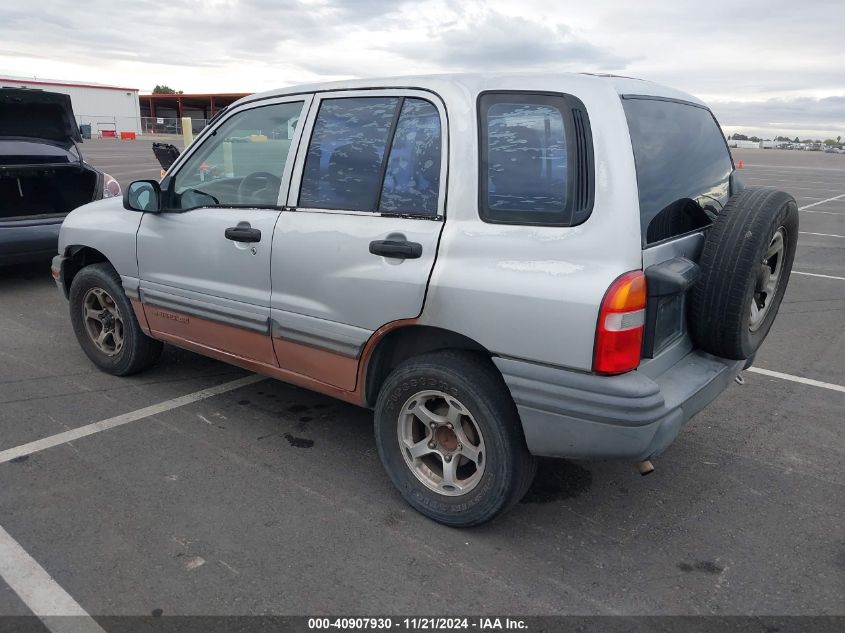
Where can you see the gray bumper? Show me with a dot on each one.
(28, 240)
(57, 269)
(569, 414)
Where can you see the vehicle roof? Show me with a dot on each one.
(474, 83)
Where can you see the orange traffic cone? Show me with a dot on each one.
(739, 165)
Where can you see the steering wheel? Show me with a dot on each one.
(255, 183)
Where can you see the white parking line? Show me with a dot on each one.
(803, 381)
(39, 592)
(821, 234)
(807, 206)
(798, 272)
(126, 418)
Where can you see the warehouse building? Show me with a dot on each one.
(161, 112)
(109, 110)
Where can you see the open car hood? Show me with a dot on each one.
(26, 113)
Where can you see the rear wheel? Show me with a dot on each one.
(450, 439)
(105, 324)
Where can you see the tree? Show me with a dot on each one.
(796, 140)
(755, 139)
(740, 137)
(838, 139)
(165, 90)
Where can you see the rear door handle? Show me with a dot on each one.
(399, 249)
(243, 234)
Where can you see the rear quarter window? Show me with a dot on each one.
(535, 153)
(683, 166)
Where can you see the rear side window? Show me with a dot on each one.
(535, 159)
(683, 166)
(344, 160)
(412, 178)
(374, 154)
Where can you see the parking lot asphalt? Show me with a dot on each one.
(270, 499)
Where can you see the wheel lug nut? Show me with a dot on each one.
(449, 426)
(433, 425)
(448, 457)
(431, 444)
(460, 447)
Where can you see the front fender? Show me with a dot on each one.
(106, 227)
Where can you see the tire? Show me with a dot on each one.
(125, 349)
(454, 385)
(734, 262)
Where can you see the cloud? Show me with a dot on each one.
(494, 40)
(823, 115)
(758, 61)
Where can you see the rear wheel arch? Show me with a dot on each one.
(408, 341)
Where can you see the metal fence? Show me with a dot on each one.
(108, 126)
(166, 125)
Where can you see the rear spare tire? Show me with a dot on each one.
(745, 266)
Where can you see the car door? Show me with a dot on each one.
(204, 261)
(354, 248)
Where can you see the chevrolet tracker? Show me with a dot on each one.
(502, 267)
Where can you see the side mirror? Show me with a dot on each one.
(143, 195)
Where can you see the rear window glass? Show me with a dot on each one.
(683, 166)
(535, 159)
(526, 158)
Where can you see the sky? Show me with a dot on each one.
(765, 67)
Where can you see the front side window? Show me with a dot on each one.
(535, 162)
(683, 166)
(374, 154)
(241, 163)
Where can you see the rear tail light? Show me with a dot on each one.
(619, 334)
(111, 188)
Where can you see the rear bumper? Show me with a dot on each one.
(571, 414)
(28, 240)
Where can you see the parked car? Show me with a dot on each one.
(42, 173)
(563, 266)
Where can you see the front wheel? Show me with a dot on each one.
(450, 438)
(105, 324)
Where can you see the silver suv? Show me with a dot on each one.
(502, 267)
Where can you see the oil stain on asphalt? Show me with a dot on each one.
(298, 442)
(706, 566)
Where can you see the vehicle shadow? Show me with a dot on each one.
(25, 275)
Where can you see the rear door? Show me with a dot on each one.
(355, 247)
(683, 175)
(205, 261)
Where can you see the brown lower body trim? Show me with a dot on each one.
(320, 370)
(211, 334)
(138, 308)
(320, 364)
(261, 368)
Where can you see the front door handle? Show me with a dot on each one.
(399, 249)
(243, 234)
